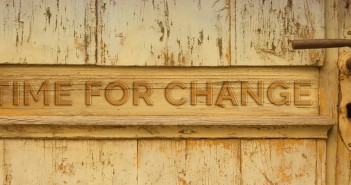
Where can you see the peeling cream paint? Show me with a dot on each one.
(160, 32)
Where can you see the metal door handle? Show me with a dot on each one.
(323, 43)
(344, 64)
(320, 43)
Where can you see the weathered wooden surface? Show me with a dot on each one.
(158, 78)
(343, 155)
(2, 168)
(329, 89)
(265, 28)
(321, 157)
(290, 162)
(69, 162)
(162, 161)
(49, 127)
(344, 100)
(47, 32)
(160, 33)
(251, 121)
(154, 33)
(165, 33)
(213, 161)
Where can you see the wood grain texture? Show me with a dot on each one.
(250, 121)
(70, 162)
(47, 32)
(343, 174)
(112, 127)
(174, 132)
(343, 155)
(2, 162)
(290, 161)
(329, 88)
(264, 30)
(321, 149)
(213, 162)
(159, 79)
(161, 162)
(164, 33)
(160, 32)
(343, 162)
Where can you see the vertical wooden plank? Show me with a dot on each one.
(25, 162)
(343, 175)
(2, 164)
(213, 162)
(164, 33)
(344, 18)
(159, 32)
(71, 162)
(278, 161)
(47, 31)
(95, 162)
(7, 173)
(343, 162)
(321, 149)
(329, 90)
(264, 30)
(161, 162)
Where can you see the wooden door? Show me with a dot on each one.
(176, 92)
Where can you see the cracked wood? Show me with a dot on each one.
(160, 32)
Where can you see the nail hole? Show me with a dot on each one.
(348, 108)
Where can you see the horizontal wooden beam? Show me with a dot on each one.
(128, 127)
(167, 120)
(158, 79)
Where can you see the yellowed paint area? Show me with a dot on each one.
(160, 32)
(161, 161)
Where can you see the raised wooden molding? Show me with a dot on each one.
(159, 79)
(127, 127)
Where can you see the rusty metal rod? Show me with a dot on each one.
(320, 43)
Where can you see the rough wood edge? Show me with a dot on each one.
(329, 91)
(162, 132)
(167, 120)
(156, 127)
(321, 147)
(318, 65)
